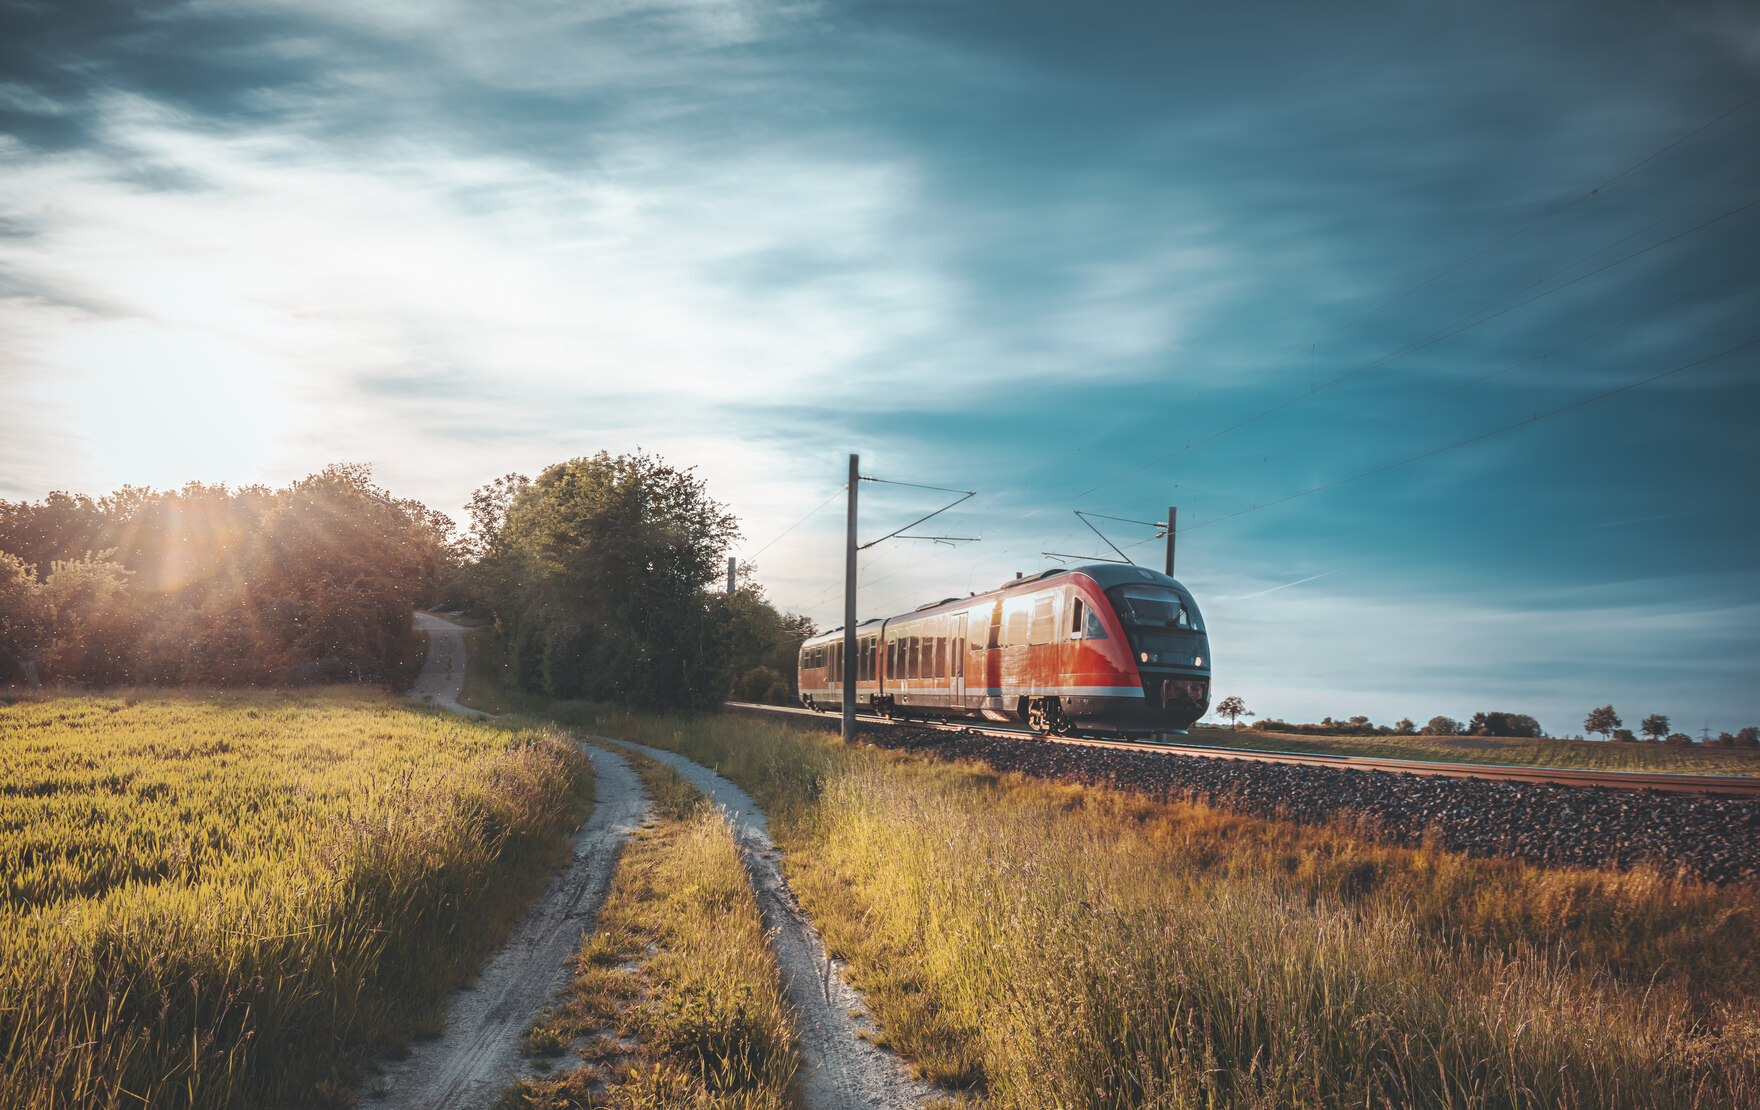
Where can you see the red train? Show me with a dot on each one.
(1100, 647)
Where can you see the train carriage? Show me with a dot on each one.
(1103, 646)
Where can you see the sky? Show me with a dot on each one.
(1438, 322)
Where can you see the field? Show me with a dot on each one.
(1040, 945)
(231, 899)
(1697, 759)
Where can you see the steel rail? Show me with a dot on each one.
(1740, 785)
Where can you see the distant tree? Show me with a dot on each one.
(1624, 736)
(1655, 726)
(1495, 723)
(1679, 739)
(1359, 720)
(1725, 740)
(1232, 709)
(1442, 726)
(1748, 737)
(1602, 721)
(1404, 727)
(35, 613)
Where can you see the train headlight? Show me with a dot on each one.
(1198, 661)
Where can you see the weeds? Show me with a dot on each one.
(1048, 945)
(228, 900)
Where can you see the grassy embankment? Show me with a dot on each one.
(677, 1000)
(1696, 759)
(225, 900)
(1047, 945)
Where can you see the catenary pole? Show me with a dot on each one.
(1172, 519)
(849, 606)
(732, 565)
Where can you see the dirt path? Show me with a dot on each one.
(479, 1052)
(842, 1071)
(442, 677)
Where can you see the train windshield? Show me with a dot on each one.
(1151, 606)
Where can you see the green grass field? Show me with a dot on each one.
(1047, 945)
(1696, 759)
(228, 900)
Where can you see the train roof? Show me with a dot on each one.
(1105, 575)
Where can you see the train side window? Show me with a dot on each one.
(1014, 630)
(1076, 609)
(994, 639)
(1092, 627)
(891, 658)
(941, 657)
(1044, 620)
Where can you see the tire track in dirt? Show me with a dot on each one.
(478, 1054)
(842, 1071)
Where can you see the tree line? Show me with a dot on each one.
(1490, 723)
(210, 585)
(596, 576)
(1606, 722)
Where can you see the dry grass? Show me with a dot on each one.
(228, 900)
(677, 999)
(1066, 946)
(1696, 759)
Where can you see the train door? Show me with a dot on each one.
(956, 661)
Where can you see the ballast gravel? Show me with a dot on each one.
(1705, 837)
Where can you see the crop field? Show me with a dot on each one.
(1035, 944)
(229, 900)
(1696, 759)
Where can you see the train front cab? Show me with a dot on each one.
(1100, 647)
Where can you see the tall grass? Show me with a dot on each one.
(227, 900)
(1066, 946)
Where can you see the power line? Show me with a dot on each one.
(798, 523)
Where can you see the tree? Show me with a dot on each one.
(1655, 726)
(1748, 737)
(600, 576)
(1603, 721)
(1359, 720)
(1679, 739)
(35, 613)
(1498, 723)
(1624, 736)
(1442, 726)
(1232, 708)
(1405, 727)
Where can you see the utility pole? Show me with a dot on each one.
(1172, 519)
(849, 606)
(732, 563)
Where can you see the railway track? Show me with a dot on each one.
(1734, 785)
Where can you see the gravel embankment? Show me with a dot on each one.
(1707, 837)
